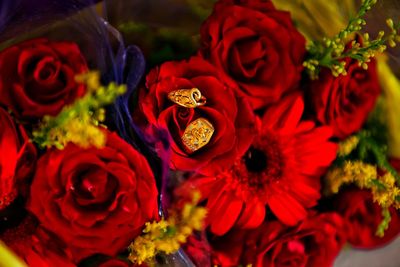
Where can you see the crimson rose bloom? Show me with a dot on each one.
(362, 217)
(35, 246)
(231, 115)
(95, 200)
(315, 242)
(37, 77)
(281, 170)
(17, 159)
(255, 45)
(344, 102)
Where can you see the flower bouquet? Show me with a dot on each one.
(245, 133)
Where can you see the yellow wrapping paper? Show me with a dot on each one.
(8, 258)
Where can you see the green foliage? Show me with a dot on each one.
(330, 52)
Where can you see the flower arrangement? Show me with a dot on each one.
(271, 141)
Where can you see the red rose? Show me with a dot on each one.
(17, 158)
(281, 170)
(230, 115)
(315, 242)
(37, 77)
(362, 217)
(35, 246)
(95, 200)
(344, 102)
(255, 45)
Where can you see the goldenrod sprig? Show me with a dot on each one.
(386, 194)
(80, 122)
(365, 176)
(357, 172)
(166, 236)
(351, 167)
(367, 150)
(331, 51)
(348, 145)
(367, 146)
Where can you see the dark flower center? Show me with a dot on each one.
(94, 188)
(262, 165)
(255, 160)
(46, 72)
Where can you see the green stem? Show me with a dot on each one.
(384, 225)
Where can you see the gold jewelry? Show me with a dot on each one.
(188, 98)
(197, 134)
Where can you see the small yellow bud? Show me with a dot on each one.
(391, 43)
(389, 22)
(348, 145)
(328, 42)
(382, 48)
(359, 21)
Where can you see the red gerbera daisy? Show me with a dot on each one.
(280, 170)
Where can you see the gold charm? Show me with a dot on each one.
(188, 98)
(197, 134)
